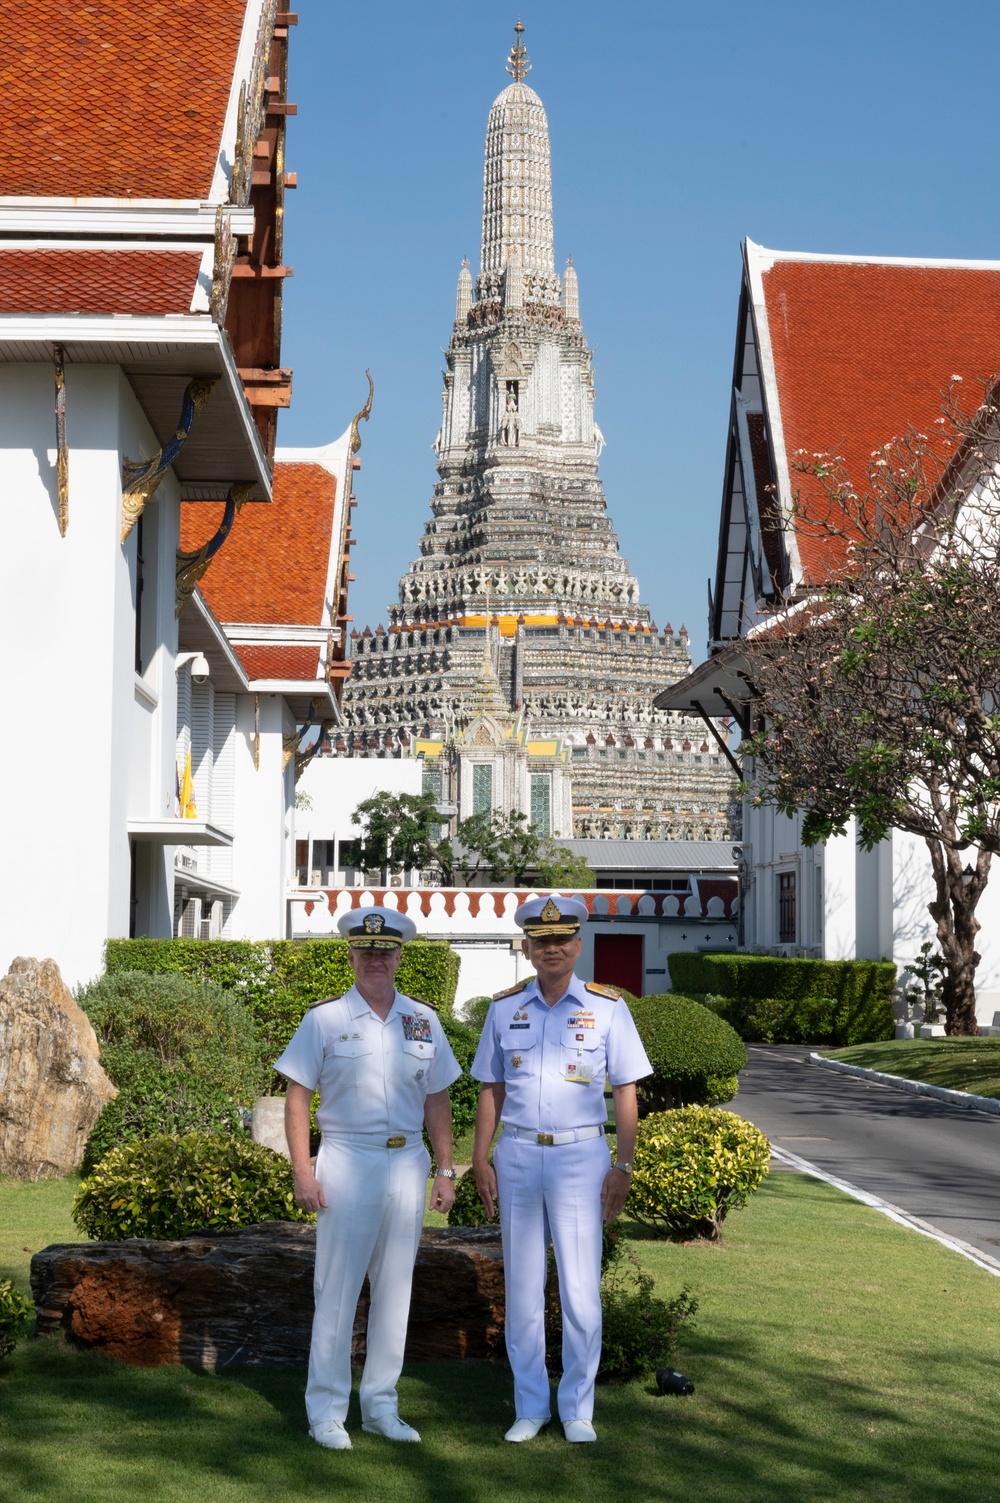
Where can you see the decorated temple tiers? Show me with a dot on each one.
(519, 636)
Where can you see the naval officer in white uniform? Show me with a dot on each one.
(382, 1066)
(546, 1048)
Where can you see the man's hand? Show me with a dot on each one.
(614, 1193)
(486, 1184)
(442, 1194)
(309, 1192)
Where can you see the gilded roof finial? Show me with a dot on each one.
(518, 65)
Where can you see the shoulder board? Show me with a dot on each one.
(613, 992)
(511, 990)
(322, 1001)
(430, 1006)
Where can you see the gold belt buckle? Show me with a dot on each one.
(398, 1142)
(545, 1138)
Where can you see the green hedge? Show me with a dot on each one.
(279, 978)
(158, 1102)
(696, 1056)
(771, 999)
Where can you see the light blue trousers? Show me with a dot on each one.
(552, 1195)
(375, 1211)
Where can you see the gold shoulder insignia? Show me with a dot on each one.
(614, 992)
(510, 991)
(322, 1001)
(419, 1002)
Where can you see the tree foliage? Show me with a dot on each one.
(878, 696)
(397, 831)
(517, 854)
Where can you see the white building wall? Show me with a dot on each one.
(68, 625)
(263, 819)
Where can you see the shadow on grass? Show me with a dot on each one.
(78, 1426)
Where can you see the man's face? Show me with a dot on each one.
(553, 958)
(374, 965)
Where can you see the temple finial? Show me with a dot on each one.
(518, 64)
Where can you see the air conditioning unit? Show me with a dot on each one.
(189, 926)
(316, 877)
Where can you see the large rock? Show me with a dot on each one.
(52, 1087)
(246, 1296)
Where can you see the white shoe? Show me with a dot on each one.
(390, 1426)
(577, 1431)
(333, 1436)
(525, 1429)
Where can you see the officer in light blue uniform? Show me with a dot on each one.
(547, 1047)
(382, 1065)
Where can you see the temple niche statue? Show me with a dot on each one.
(519, 562)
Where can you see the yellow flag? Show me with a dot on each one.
(185, 798)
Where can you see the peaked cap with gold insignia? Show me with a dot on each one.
(376, 928)
(553, 914)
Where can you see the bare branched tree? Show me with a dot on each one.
(878, 696)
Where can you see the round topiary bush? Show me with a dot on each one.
(16, 1314)
(158, 1103)
(693, 1166)
(145, 1021)
(696, 1056)
(165, 1187)
(468, 1209)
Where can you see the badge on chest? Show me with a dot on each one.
(416, 1028)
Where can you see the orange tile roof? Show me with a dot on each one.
(115, 98)
(279, 662)
(91, 281)
(863, 352)
(272, 569)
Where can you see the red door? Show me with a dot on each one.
(618, 961)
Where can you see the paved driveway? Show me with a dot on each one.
(937, 1162)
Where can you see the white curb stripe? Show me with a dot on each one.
(894, 1213)
(918, 1087)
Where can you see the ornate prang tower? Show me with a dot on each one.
(520, 626)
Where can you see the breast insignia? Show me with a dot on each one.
(322, 1001)
(614, 992)
(511, 990)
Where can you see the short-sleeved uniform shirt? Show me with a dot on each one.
(371, 1076)
(553, 1061)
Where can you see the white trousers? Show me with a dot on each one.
(552, 1194)
(375, 1211)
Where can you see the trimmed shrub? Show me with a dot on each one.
(165, 1187)
(639, 1330)
(468, 1209)
(687, 972)
(465, 1091)
(16, 1315)
(834, 1002)
(158, 1103)
(692, 1167)
(167, 1021)
(696, 1056)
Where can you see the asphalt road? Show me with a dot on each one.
(937, 1162)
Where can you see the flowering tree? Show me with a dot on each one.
(879, 695)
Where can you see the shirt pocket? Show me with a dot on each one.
(350, 1049)
(418, 1056)
(584, 1062)
(520, 1058)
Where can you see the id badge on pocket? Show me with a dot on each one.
(579, 1071)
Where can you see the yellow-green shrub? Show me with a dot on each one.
(165, 1187)
(16, 1315)
(693, 1166)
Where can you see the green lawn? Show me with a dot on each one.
(960, 1064)
(836, 1357)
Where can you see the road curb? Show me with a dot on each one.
(916, 1087)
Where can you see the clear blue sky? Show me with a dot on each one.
(677, 130)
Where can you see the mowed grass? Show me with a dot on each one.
(836, 1356)
(960, 1064)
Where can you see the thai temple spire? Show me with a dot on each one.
(519, 596)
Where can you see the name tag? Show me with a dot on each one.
(519, 1025)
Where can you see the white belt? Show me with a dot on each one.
(375, 1140)
(553, 1139)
